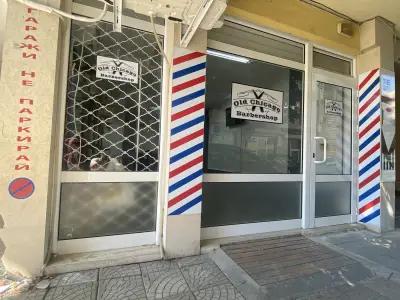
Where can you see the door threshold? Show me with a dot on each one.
(208, 245)
(99, 259)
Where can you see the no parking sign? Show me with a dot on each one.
(21, 188)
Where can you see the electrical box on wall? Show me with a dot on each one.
(346, 29)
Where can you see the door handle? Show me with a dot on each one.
(324, 157)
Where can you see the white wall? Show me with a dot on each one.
(3, 14)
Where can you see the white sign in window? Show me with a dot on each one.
(333, 107)
(388, 85)
(257, 104)
(117, 69)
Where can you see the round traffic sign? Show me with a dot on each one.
(21, 188)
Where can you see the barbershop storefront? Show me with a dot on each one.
(278, 136)
(248, 129)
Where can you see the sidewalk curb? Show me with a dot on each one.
(240, 279)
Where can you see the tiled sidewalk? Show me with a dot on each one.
(188, 278)
(284, 267)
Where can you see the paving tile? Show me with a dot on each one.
(119, 271)
(355, 292)
(309, 284)
(74, 278)
(385, 287)
(29, 295)
(183, 296)
(193, 260)
(158, 266)
(84, 291)
(164, 284)
(203, 275)
(219, 292)
(122, 288)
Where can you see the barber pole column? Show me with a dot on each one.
(376, 133)
(183, 199)
(187, 132)
(369, 157)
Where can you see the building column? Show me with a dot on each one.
(376, 119)
(28, 93)
(184, 174)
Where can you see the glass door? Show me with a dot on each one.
(332, 149)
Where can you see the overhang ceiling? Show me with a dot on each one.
(362, 10)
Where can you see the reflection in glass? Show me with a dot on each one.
(334, 123)
(246, 146)
(332, 199)
(100, 209)
(230, 203)
(331, 63)
(259, 41)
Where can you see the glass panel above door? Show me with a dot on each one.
(333, 129)
(259, 41)
(332, 63)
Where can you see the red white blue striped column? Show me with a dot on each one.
(187, 132)
(369, 159)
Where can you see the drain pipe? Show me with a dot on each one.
(169, 42)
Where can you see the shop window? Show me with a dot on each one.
(259, 41)
(266, 138)
(112, 124)
(112, 117)
(331, 63)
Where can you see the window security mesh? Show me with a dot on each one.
(112, 125)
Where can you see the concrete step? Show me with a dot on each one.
(99, 259)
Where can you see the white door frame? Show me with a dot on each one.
(258, 227)
(105, 242)
(308, 219)
(351, 83)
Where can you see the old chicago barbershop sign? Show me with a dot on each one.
(29, 50)
(256, 104)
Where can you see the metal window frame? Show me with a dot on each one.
(270, 34)
(308, 206)
(217, 177)
(337, 56)
(124, 240)
(217, 45)
(308, 177)
(138, 148)
(248, 228)
(319, 75)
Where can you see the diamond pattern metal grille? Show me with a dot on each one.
(112, 125)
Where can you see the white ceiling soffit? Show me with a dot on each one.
(362, 10)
